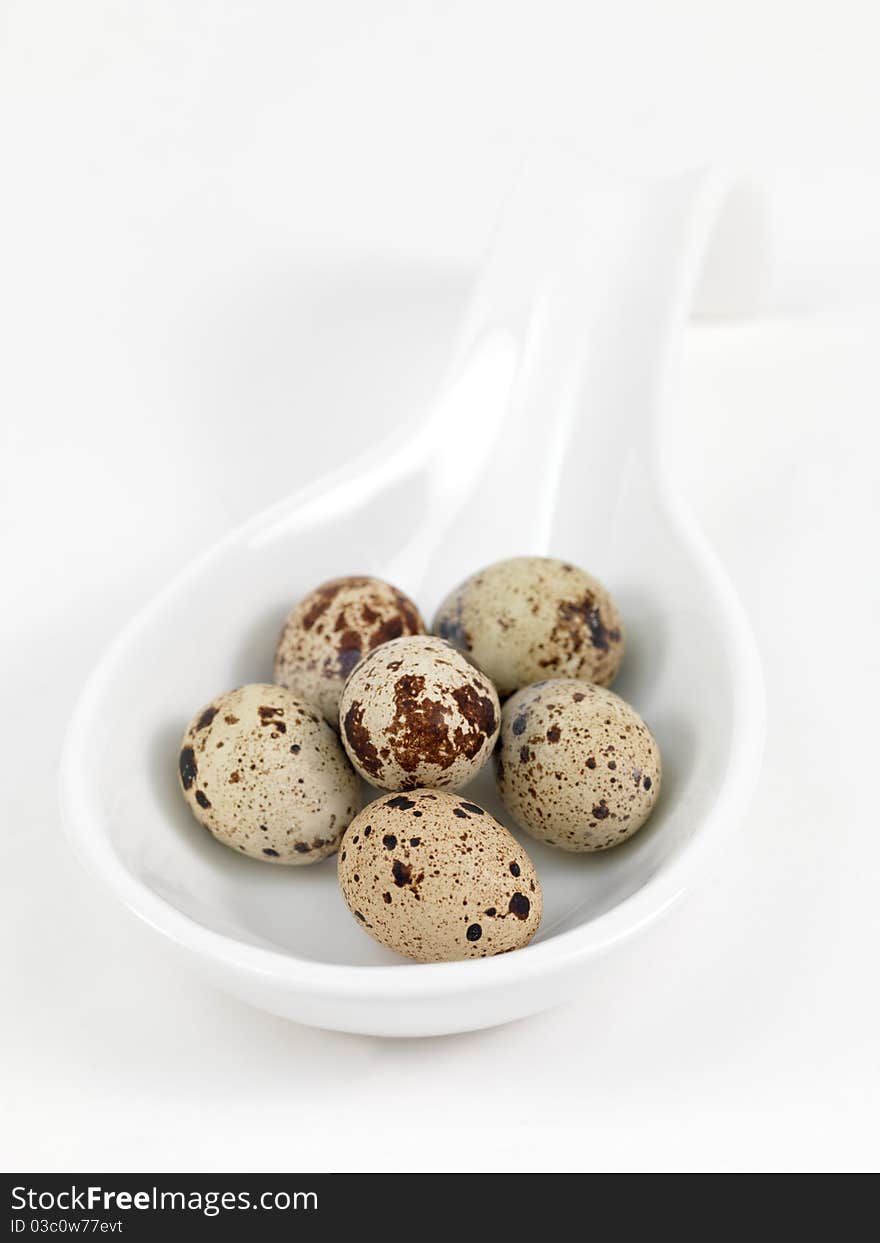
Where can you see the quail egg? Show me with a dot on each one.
(577, 766)
(531, 618)
(267, 776)
(415, 713)
(330, 629)
(434, 877)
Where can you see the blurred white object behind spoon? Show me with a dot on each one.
(547, 438)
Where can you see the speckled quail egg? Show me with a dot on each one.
(330, 629)
(415, 712)
(433, 876)
(577, 766)
(262, 771)
(531, 618)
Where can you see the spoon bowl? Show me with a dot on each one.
(547, 438)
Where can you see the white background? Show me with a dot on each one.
(234, 239)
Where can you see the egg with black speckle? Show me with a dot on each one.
(530, 618)
(415, 712)
(330, 629)
(577, 767)
(267, 776)
(434, 877)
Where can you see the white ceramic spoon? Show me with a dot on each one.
(547, 439)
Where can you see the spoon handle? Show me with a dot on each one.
(566, 355)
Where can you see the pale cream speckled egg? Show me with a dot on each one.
(434, 877)
(531, 618)
(330, 629)
(577, 766)
(262, 771)
(415, 712)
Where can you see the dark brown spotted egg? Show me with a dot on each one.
(531, 618)
(433, 876)
(415, 713)
(331, 628)
(577, 766)
(267, 776)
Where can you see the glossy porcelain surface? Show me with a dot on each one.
(547, 439)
